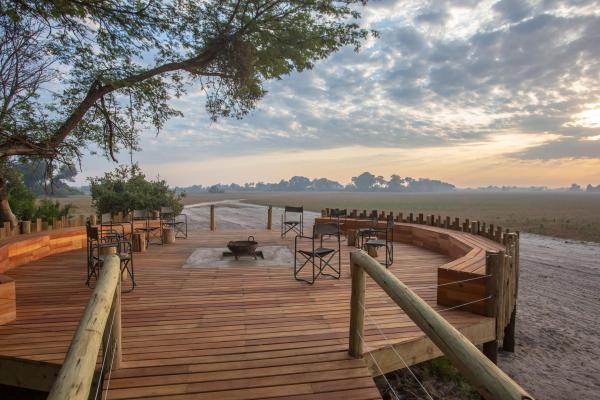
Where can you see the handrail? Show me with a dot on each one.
(491, 382)
(76, 376)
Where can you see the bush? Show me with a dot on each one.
(126, 189)
(23, 203)
(21, 199)
(48, 210)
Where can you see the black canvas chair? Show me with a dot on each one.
(152, 233)
(340, 216)
(325, 246)
(366, 233)
(109, 229)
(95, 257)
(384, 237)
(292, 220)
(170, 219)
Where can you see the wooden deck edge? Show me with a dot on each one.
(28, 374)
(387, 359)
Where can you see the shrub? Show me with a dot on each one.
(48, 210)
(21, 199)
(126, 189)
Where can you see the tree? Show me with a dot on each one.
(21, 199)
(364, 182)
(121, 62)
(299, 183)
(126, 189)
(40, 181)
(396, 184)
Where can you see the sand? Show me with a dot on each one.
(558, 320)
(557, 354)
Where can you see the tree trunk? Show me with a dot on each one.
(6, 214)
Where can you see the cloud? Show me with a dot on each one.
(563, 148)
(443, 73)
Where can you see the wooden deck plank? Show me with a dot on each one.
(240, 332)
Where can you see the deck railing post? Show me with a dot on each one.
(117, 327)
(270, 218)
(508, 342)
(357, 312)
(75, 377)
(494, 265)
(213, 222)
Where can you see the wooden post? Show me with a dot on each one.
(25, 227)
(213, 223)
(168, 235)
(75, 378)
(474, 229)
(357, 312)
(93, 219)
(138, 241)
(372, 251)
(270, 218)
(351, 235)
(508, 342)
(494, 263)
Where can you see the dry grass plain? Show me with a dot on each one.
(566, 215)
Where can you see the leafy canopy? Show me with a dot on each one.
(126, 189)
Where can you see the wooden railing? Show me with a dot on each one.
(39, 225)
(99, 326)
(490, 231)
(491, 382)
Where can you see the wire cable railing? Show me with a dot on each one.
(491, 382)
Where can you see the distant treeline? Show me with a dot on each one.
(573, 188)
(365, 182)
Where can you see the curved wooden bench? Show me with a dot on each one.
(23, 249)
(466, 250)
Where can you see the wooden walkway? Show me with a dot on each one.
(239, 332)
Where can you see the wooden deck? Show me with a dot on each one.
(233, 332)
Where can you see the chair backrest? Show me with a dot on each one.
(166, 210)
(336, 212)
(390, 222)
(92, 232)
(327, 228)
(105, 218)
(139, 214)
(294, 209)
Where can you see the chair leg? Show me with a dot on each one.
(297, 271)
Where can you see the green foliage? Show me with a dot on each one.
(21, 199)
(126, 189)
(48, 210)
(23, 203)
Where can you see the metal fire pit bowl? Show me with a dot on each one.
(238, 248)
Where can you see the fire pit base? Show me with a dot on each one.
(256, 254)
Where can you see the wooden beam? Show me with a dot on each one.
(270, 218)
(27, 374)
(77, 373)
(213, 222)
(357, 312)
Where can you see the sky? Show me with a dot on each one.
(470, 92)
